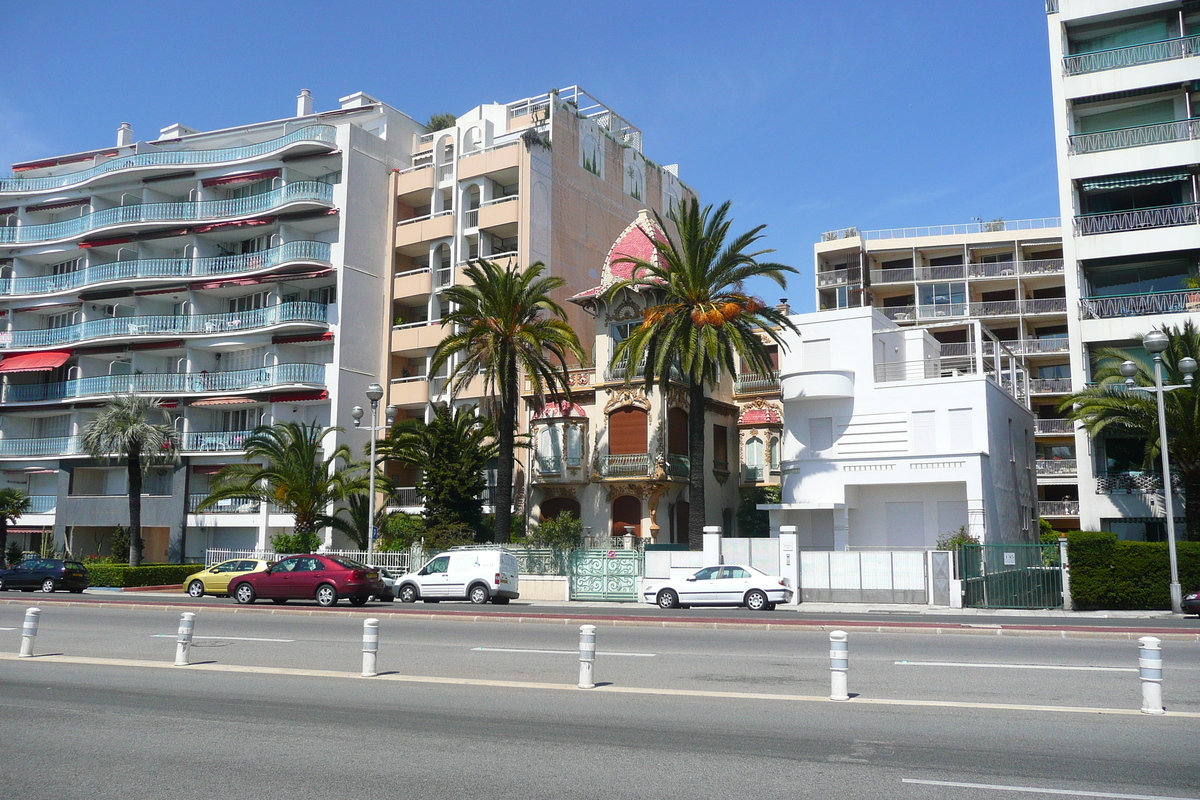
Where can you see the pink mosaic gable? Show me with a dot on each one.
(759, 416)
(561, 408)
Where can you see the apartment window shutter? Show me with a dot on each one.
(627, 431)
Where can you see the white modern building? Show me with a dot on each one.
(239, 274)
(1125, 85)
(890, 443)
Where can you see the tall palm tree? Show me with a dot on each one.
(505, 325)
(285, 467)
(13, 503)
(126, 429)
(701, 318)
(1110, 407)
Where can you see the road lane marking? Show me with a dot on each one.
(1037, 790)
(7, 629)
(557, 652)
(230, 638)
(1010, 666)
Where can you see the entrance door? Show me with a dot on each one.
(626, 514)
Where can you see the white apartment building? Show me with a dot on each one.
(240, 275)
(1126, 89)
(890, 442)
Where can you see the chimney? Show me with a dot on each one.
(304, 103)
(783, 307)
(124, 135)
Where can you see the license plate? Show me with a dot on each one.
(372, 575)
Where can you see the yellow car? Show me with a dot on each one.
(215, 579)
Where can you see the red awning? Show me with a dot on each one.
(284, 397)
(231, 282)
(208, 469)
(226, 401)
(327, 336)
(61, 204)
(106, 242)
(35, 362)
(245, 177)
(245, 223)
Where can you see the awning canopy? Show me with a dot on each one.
(226, 401)
(208, 469)
(35, 362)
(1136, 179)
(228, 180)
(302, 397)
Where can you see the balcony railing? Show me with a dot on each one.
(1054, 427)
(315, 313)
(42, 503)
(1033, 347)
(1049, 385)
(548, 465)
(1007, 269)
(992, 226)
(1167, 50)
(1058, 508)
(325, 134)
(230, 505)
(1057, 466)
(471, 218)
(407, 496)
(1134, 482)
(1138, 136)
(1044, 305)
(314, 191)
(899, 313)
(45, 446)
(895, 275)
(616, 372)
(168, 268)
(1137, 305)
(996, 308)
(169, 383)
(835, 276)
(679, 466)
(1139, 219)
(638, 465)
(758, 473)
(207, 442)
(747, 382)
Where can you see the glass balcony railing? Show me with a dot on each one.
(168, 268)
(42, 503)
(1148, 53)
(325, 134)
(313, 191)
(169, 383)
(314, 313)
(230, 505)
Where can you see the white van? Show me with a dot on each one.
(470, 573)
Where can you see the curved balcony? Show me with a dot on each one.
(325, 135)
(300, 192)
(192, 442)
(170, 383)
(172, 268)
(167, 326)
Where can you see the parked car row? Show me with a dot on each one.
(47, 574)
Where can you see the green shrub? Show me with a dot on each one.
(292, 543)
(1111, 574)
(955, 539)
(563, 532)
(1090, 556)
(150, 575)
(447, 535)
(400, 532)
(13, 555)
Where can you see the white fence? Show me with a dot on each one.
(392, 560)
(864, 576)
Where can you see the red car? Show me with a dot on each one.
(325, 579)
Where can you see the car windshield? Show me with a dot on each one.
(348, 563)
(73, 564)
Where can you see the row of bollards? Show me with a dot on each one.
(1150, 663)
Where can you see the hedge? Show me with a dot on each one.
(152, 575)
(1111, 574)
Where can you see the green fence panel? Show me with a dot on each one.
(605, 574)
(1012, 576)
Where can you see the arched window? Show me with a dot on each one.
(773, 453)
(626, 513)
(557, 506)
(754, 452)
(574, 445)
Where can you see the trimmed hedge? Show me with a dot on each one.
(152, 575)
(1111, 574)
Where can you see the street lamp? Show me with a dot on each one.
(1155, 342)
(374, 394)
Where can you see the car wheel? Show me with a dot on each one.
(358, 601)
(326, 596)
(770, 606)
(244, 594)
(3, 587)
(756, 600)
(408, 594)
(479, 594)
(501, 601)
(278, 600)
(48, 585)
(667, 599)
(196, 589)
(431, 601)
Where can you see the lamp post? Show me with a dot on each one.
(1155, 342)
(374, 394)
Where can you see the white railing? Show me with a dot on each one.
(415, 271)
(1044, 305)
(1057, 466)
(471, 218)
(1032, 347)
(1049, 385)
(756, 382)
(1148, 53)
(425, 217)
(833, 277)
(1053, 426)
(995, 226)
(1139, 219)
(398, 560)
(625, 466)
(899, 313)
(1058, 508)
(1008, 269)
(995, 308)
(407, 496)
(1138, 136)
(168, 383)
(1136, 305)
(894, 275)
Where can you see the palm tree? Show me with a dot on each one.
(505, 325)
(1109, 406)
(125, 429)
(700, 319)
(352, 520)
(13, 503)
(285, 468)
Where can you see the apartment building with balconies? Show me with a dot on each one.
(1126, 91)
(236, 274)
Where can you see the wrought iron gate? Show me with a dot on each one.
(1011, 576)
(605, 574)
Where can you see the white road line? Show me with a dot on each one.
(1036, 790)
(1011, 666)
(233, 638)
(557, 652)
(7, 629)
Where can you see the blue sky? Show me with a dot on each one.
(808, 115)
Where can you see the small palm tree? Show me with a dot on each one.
(285, 468)
(505, 325)
(702, 319)
(126, 429)
(1110, 407)
(352, 520)
(13, 503)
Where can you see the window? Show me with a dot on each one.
(250, 189)
(620, 331)
(574, 445)
(940, 294)
(324, 294)
(1054, 371)
(240, 419)
(60, 320)
(255, 244)
(248, 302)
(66, 267)
(250, 358)
(924, 433)
(754, 452)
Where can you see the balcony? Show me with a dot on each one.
(412, 283)
(169, 383)
(418, 178)
(615, 372)
(991, 226)
(488, 160)
(421, 335)
(299, 193)
(230, 505)
(1049, 385)
(1053, 427)
(192, 442)
(171, 268)
(325, 135)
(42, 503)
(1137, 305)
(1008, 269)
(1037, 347)
(216, 441)
(1057, 467)
(439, 225)
(407, 496)
(638, 465)
(759, 473)
(1136, 220)
(1134, 482)
(896, 275)
(836, 277)
(1138, 136)
(409, 391)
(167, 326)
(754, 382)
(1149, 53)
(500, 215)
(679, 466)
(1058, 508)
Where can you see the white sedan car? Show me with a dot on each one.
(724, 585)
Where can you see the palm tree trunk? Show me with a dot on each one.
(135, 506)
(504, 470)
(1191, 505)
(696, 466)
(3, 542)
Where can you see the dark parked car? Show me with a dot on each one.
(1191, 603)
(325, 579)
(47, 574)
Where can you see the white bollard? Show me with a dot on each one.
(29, 632)
(370, 646)
(839, 664)
(1150, 671)
(183, 644)
(587, 656)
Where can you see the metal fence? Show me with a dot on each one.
(1012, 576)
(397, 560)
